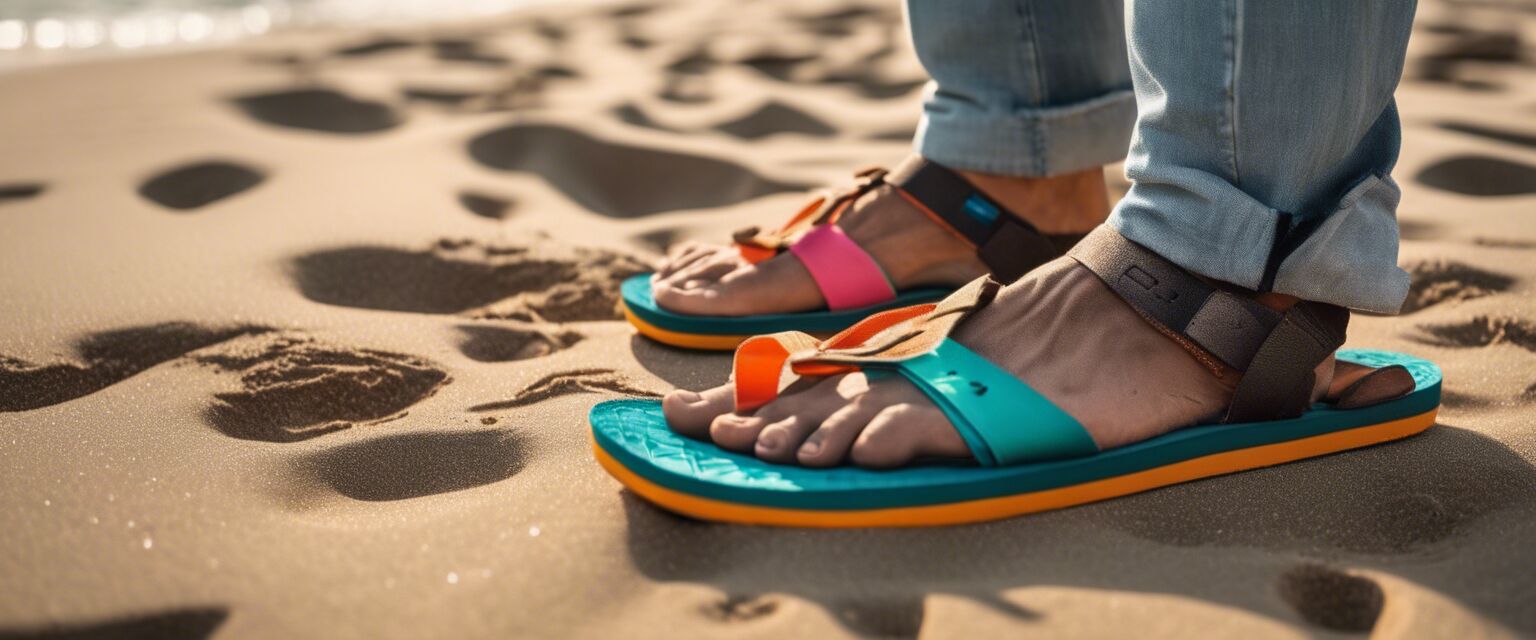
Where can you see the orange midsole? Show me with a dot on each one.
(687, 340)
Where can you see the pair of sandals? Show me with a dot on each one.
(1029, 455)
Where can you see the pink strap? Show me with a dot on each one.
(847, 276)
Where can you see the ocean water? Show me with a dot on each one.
(43, 31)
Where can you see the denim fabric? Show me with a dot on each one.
(1260, 123)
(1026, 88)
(1260, 128)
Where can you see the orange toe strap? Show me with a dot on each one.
(757, 245)
(759, 363)
(754, 254)
(759, 366)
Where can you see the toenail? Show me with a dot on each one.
(688, 397)
(810, 448)
(770, 440)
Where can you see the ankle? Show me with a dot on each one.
(1069, 203)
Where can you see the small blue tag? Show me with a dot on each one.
(983, 211)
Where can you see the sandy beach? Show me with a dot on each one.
(298, 338)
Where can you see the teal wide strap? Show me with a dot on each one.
(1003, 420)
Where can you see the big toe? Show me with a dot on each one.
(690, 413)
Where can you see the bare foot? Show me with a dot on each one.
(1059, 329)
(912, 249)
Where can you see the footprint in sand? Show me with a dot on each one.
(550, 31)
(773, 118)
(104, 359)
(1522, 139)
(660, 240)
(631, 11)
(376, 46)
(795, 51)
(566, 383)
(685, 89)
(412, 465)
(319, 109)
(633, 40)
(178, 624)
(1438, 281)
(199, 184)
(1477, 175)
(862, 78)
(555, 72)
(447, 98)
(492, 207)
(17, 191)
(467, 50)
(1482, 331)
(1332, 599)
(1448, 47)
(898, 616)
(738, 609)
(770, 118)
(293, 387)
(1405, 497)
(901, 134)
(488, 343)
(618, 180)
(537, 281)
(1504, 243)
(631, 114)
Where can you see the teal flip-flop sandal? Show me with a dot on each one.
(1029, 455)
(851, 282)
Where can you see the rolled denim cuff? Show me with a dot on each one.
(1220, 232)
(1028, 142)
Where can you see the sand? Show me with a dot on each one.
(298, 338)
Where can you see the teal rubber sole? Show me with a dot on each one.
(633, 441)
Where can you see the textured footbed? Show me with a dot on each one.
(641, 306)
(633, 442)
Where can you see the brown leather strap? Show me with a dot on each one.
(1228, 326)
(1005, 242)
(1277, 353)
(1278, 381)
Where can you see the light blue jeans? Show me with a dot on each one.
(1261, 134)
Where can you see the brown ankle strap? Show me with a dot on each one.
(1276, 352)
(1005, 242)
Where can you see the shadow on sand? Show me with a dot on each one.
(1378, 505)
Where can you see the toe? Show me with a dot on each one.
(736, 432)
(888, 441)
(704, 276)
(828, 445)
(805, 404)
(697, 289)
(779, 440)
(685, 272)
(690, 413)
(681, 257)
(698, 300)
(904, 432)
